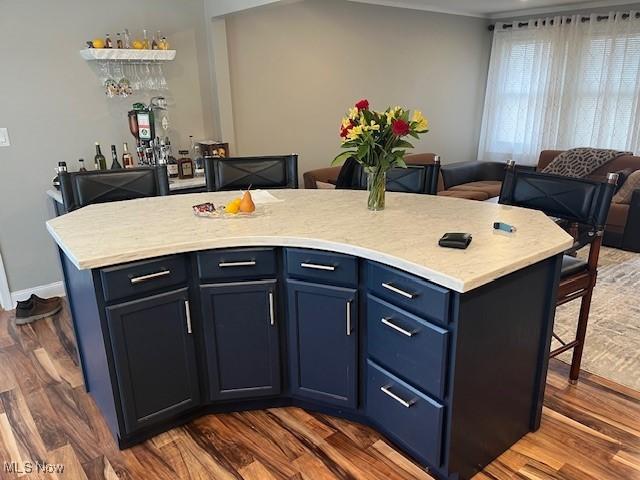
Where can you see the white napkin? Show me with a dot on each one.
(263, 197)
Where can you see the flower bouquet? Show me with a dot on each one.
(376, 141)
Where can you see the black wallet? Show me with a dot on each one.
(455, 240)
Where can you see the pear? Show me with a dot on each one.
(246, 204)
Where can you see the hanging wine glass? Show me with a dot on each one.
(149, 83)
(136, 81)
(162, 81)
(124, 86)
(111, 88)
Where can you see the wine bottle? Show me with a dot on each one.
(127, 158)
(101, 162)
(115, 164)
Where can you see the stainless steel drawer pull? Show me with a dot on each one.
(387, 322)
(401, 401)
(188, 312)
(151, 276)
(397, 290)
(348, 317)
(248, 263)
(317, 266)
(271, 313)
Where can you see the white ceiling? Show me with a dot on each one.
(497, 8)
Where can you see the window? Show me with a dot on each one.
(570, 84)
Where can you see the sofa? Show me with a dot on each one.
(483, 180)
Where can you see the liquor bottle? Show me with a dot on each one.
(172, 166)
(127, 158)
(145, 40)
(155, 41)
(162, 44)
(62, 167)
(82, 167)
(140, 152)
(108, 43)
(101, 162)
(127, 38)
(172, 163)
(115, 164)
(185, 165)
(118, 41)
(198, 160)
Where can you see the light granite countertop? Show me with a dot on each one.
(405, 235)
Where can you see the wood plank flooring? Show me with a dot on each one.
(589, 431)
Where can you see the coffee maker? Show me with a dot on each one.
(141, 126)
(144, 122)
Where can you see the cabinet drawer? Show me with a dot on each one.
(409, 292)
(407, 416)
(319, 266)
(135, 278)
(407, 345)
(240, 263)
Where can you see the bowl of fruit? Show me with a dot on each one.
(237, 208)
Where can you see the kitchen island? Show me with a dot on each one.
(319, 303)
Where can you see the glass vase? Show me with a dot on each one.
(376, 187)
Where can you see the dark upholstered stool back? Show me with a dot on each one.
(238, 173)
(576, 200)
(80, 189)
(413, 179)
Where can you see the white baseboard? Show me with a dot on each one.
(55, 289)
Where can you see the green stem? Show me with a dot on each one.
(377, 186)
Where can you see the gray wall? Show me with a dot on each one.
(51, 101)
(296, 68)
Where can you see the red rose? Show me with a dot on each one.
(344, 131)
(363, 104)
(400, 128)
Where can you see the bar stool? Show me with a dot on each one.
(577, 201)
(239, 173)
(80, 189)
(421, 178)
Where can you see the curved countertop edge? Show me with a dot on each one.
(317, 244)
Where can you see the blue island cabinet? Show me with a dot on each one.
(452, 379)
(154, 357)
(241, 339)
(323, 334)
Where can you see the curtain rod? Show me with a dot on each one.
(599, 18)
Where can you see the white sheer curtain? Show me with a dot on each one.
(562, 84)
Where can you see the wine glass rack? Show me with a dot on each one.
(128, 54)
(124, 72)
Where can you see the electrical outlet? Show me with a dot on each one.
(4, 138)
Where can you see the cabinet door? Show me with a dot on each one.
(242, 340)
(323, 332)
(154, 358)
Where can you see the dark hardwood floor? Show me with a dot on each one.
(589, 431)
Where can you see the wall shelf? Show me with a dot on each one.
(129, 54)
